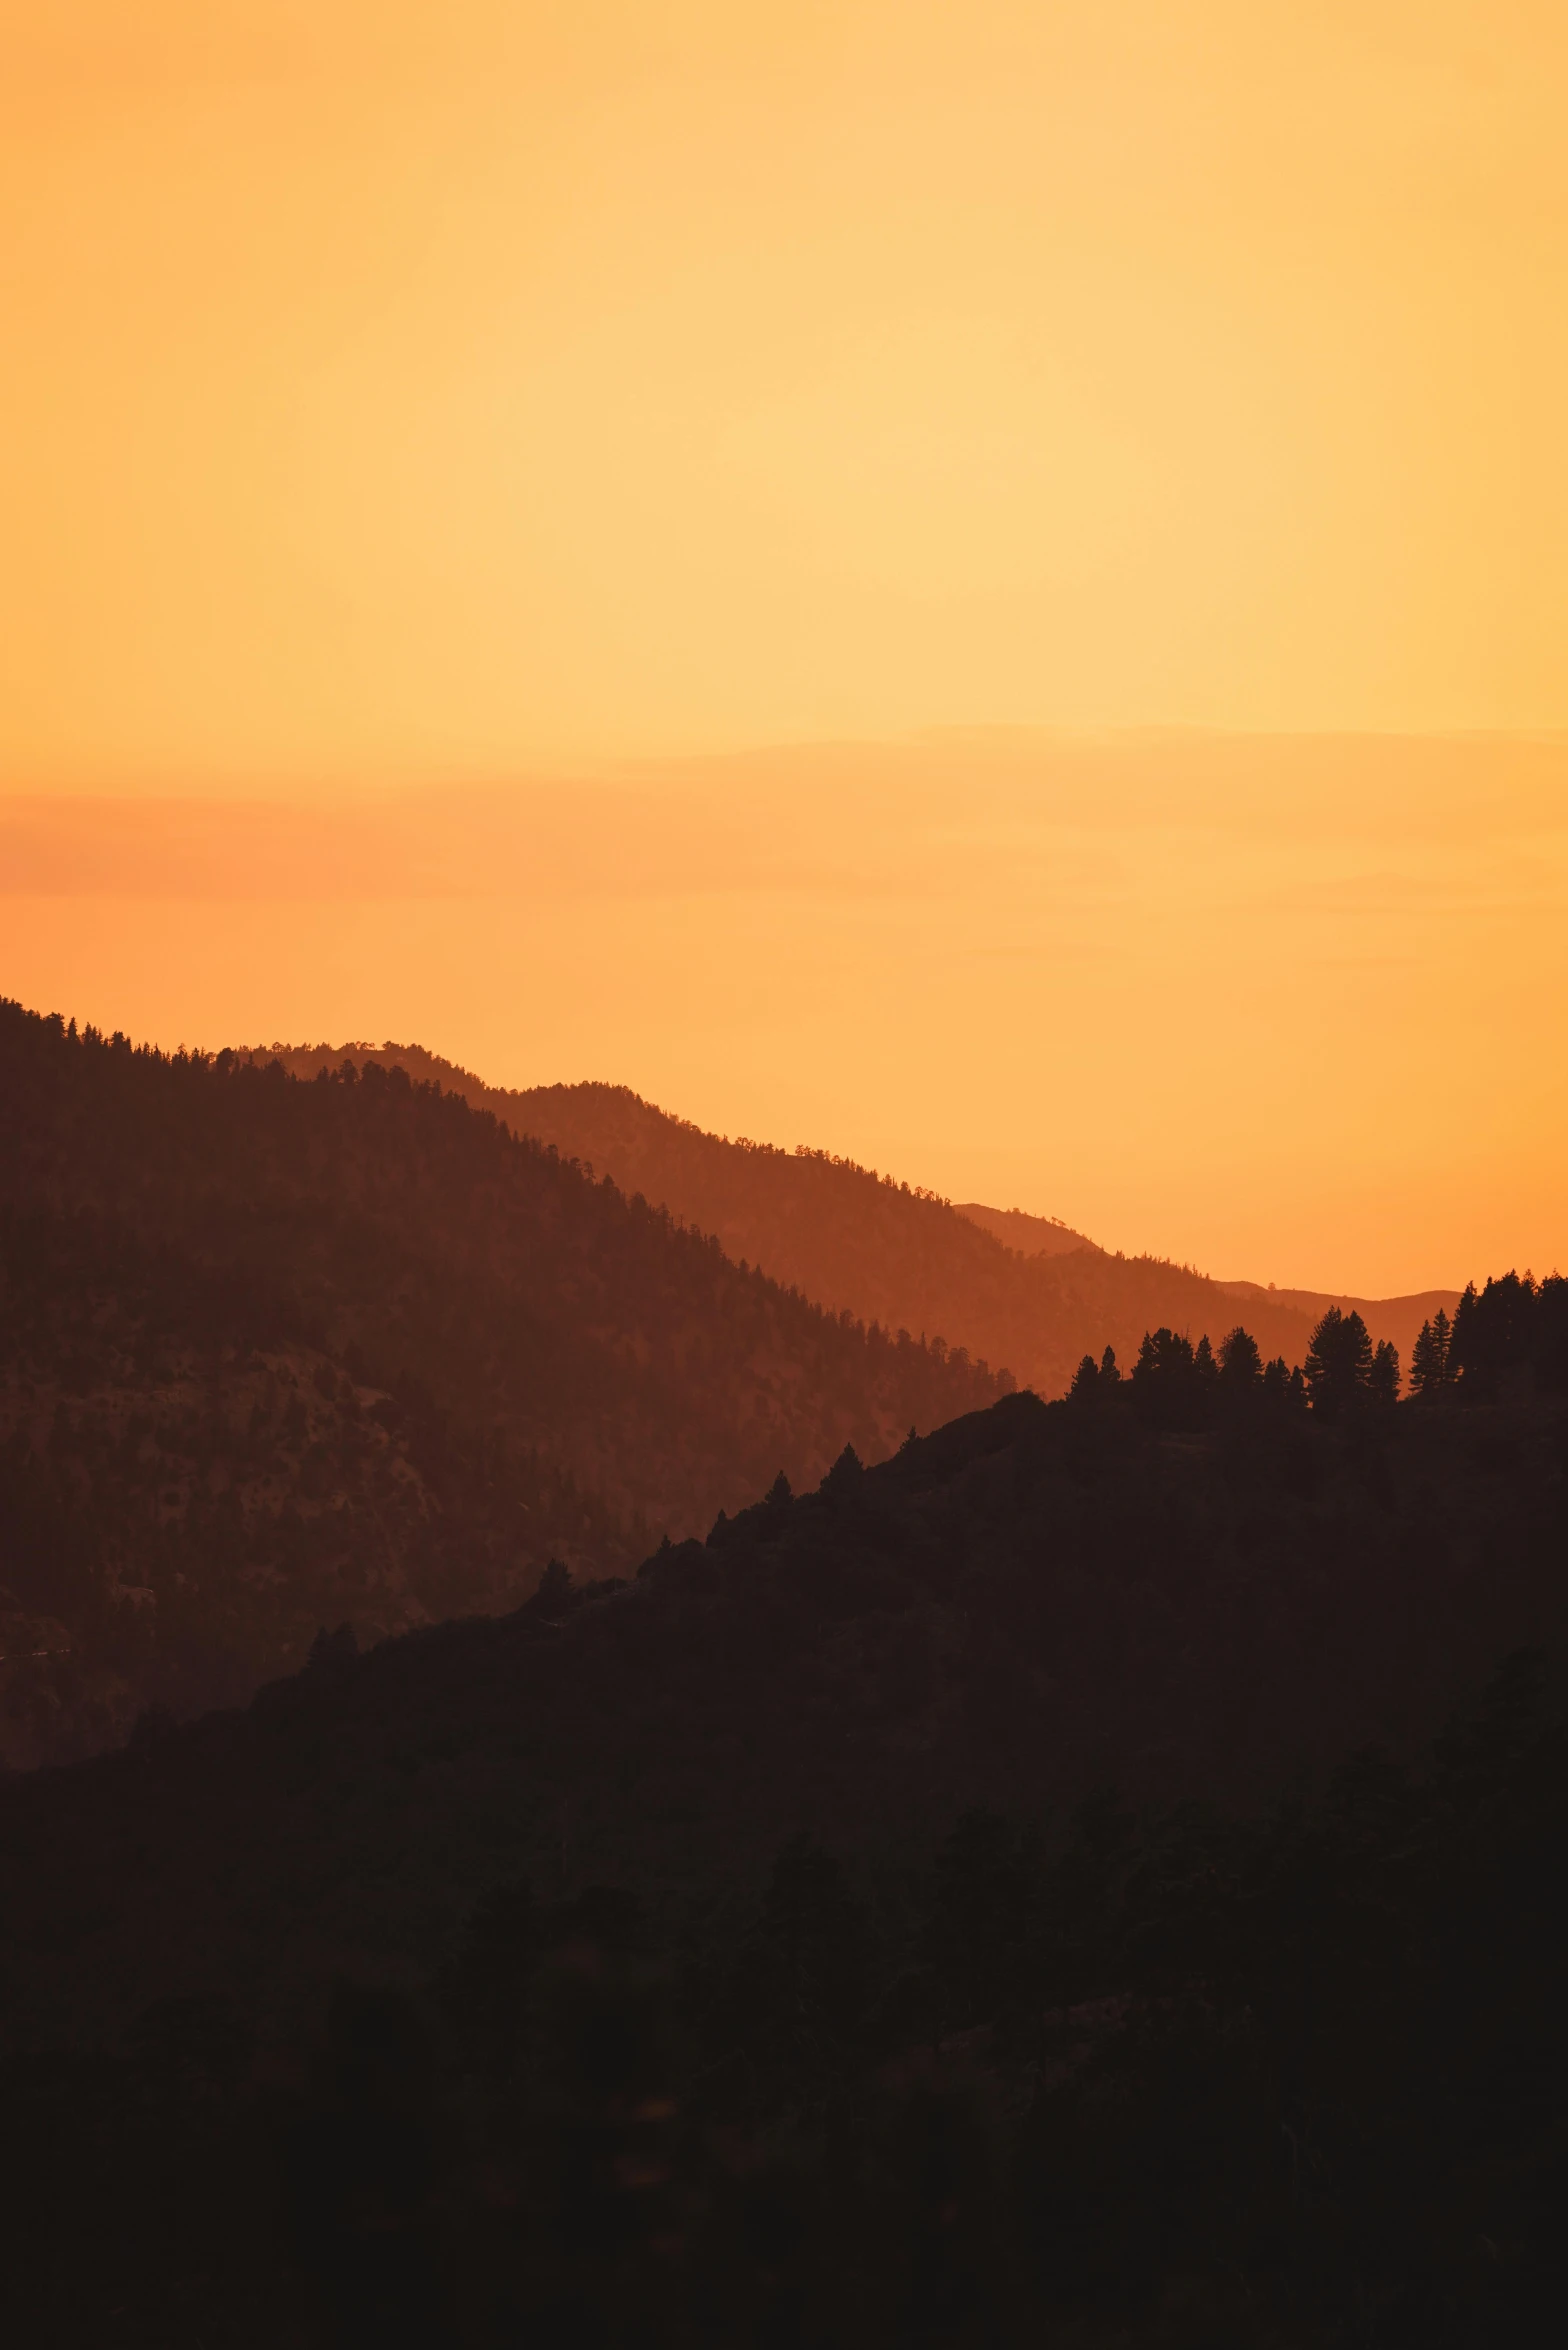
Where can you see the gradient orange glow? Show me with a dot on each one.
(430, 437)
(1291, 1009)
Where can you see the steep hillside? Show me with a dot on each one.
(1021, 1291)
(274, 1355)
(769, 1929)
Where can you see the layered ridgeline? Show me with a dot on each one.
(274, 1355)
(1012, 1288)
(796, 1941)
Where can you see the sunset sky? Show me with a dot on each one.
(979, 585)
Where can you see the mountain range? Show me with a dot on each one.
(277, 1355)
(341, 1336)
(1019, 1290)
(658, 1812)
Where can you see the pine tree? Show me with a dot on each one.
(1429, 1373)
(1462, 1336)
(1241, 1365)
(1338, 1368)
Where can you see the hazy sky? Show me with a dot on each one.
(456, 461)
(444, 385)
(1289, 1009)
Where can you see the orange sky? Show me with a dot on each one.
(408, 399)
(1291, 1009)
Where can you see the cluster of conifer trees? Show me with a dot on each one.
(1176, 1385)
(1514, 1326)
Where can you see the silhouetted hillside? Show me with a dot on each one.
(902, 1257)
(1031, 1236)
(1395, 1319)
(274, 1355)
(761, 1950)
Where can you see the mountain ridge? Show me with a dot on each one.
(890, 1251)
(274, 1355)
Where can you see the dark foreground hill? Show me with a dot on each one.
(275, 1355)
(1014, 1289)
(1005, 1894)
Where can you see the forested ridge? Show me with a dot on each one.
(1095, 1876)
(274, 1355)
(889, 1251)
